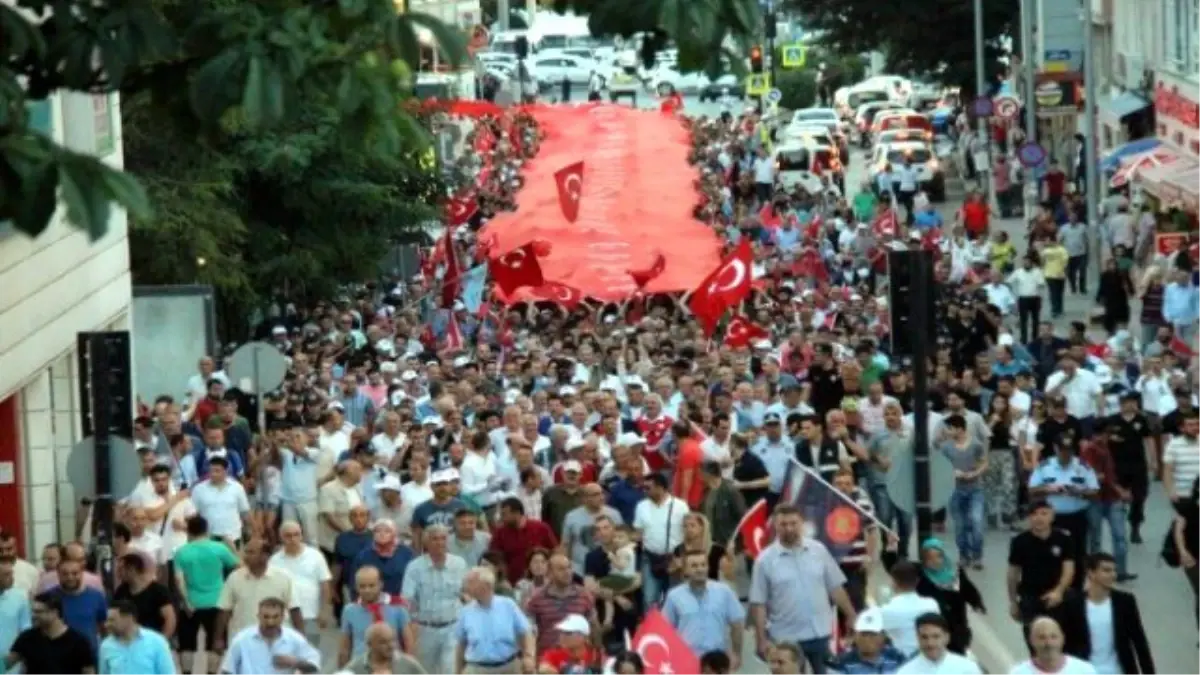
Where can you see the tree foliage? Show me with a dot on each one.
(932, 38)
(219, 67)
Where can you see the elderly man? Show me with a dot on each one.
(312, 585)
(494, 636)
(381, 656)
(374, 607)
(433, 586)
(335, 500)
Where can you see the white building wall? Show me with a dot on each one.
(52, 287)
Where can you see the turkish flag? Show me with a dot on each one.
(662, 649)
(741, 332)
(1181, 348)
(645, 276)
(565, 296)
(755, 529)
(516, 269)
(885, 224)
(810, 265)
(724, 287)
(569, 180)
(460, 209)
(454, 337)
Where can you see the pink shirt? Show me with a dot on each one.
(49, 580)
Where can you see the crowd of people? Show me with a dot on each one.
(516, 490)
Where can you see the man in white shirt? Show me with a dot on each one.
(197, 384)
(222, 502)
(659, 517)
(999, 294)
(389, 441)
(1085, 396)
(764, 176)
(1027, 284)
(477, 473)
(1181, 458)
(311, 579)
(907, 182)
(933, 635)
(900, 613)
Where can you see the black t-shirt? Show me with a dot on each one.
(1172, 423)
(750, 467)
(70, 652)
(1051, 429)
(1127, 442)
(827, 388)
(1040, 561)
(149, 603)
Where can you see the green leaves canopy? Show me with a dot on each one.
(219, 66)
(933, 38)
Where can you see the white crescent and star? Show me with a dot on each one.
(739, 275)
(564, 293)
(760, 535)
(649, 640)
(573, 185)
(513, 259)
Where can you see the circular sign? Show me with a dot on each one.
(1031, 154)
(1007, 107)
(982, 107)
(774, 96)
(902, 481)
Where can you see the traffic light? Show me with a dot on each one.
(756, 59)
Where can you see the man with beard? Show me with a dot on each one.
(50, 645)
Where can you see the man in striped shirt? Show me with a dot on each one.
(863, 551)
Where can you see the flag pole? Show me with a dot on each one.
(841, 495)
(745, 516)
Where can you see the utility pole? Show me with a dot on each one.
(981, 88)
(1028, 65)
(769, 33)
(1091, 163)
(503, 11)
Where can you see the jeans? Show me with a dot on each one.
(966, 509)
(1077, 273)
(817, 653)
(1114, 513)
(1056, 287)
(892, 517)
(653, 587)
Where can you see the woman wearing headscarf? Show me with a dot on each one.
(947, 583)
(388, 555)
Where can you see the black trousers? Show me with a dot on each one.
(1056, 287)
(906, 198)
(1077, 273)
(1077, 525)
(1029, 311)
(1139, 488)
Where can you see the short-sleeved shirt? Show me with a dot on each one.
(149, 603)
(1040, 561)
(965, 459)
(432, 513)
(470, 551)
(70, 652)
(357, 618)
(203, 564)
(578, 528)
(703, 618)
(794, 584)
(85, 612)
(691, 456)
(560, 661)
(491, 634)
(1076, 476)
(243, 592)
(1127, 442)
(547, 608)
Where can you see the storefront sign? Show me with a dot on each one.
(1058, 94)
(1061, 36)
(1171, 103)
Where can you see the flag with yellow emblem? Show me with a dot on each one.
(830, 517)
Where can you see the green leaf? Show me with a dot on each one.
(450, 41)
(39, 199)
(352, 9)
(125, 190)
(209, 91)
(83, 194)
(20, 34)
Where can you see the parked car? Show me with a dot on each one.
(725, 85)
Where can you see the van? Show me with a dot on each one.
(793, 165)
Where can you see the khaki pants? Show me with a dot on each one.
(511, 668)
(435, 648)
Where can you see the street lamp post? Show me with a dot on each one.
(981, 89)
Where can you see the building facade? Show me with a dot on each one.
(52, 287)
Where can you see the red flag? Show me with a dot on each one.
(741, 332)
(1181, 348)
(724, 287)
(885, 224)
(452, 277)
(454, 337)
(516, 269)
(755, 529)
(662, 649)
(569, 180)
(460, 209)
(645, 276)
(567, 297)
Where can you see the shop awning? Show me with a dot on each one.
(1123, 105)
(1132, 166)
(1112, 160)
(1181, 189)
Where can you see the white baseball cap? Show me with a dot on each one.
(389, 482)
(572, 465)
(869, 621)
(444, 476)
(574, 623)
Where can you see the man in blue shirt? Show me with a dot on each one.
(1181, 306)
(84, 609)
(706, 613)
(1068, 485)
(928, 218)
(15, 615)
(131, 649)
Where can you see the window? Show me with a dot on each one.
(102, 114)
(1181, 43)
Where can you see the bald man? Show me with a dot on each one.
(1046, 638)
(381, 656)
(373, 608)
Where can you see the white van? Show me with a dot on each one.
(793, 164)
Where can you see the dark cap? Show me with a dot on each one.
(772, 418)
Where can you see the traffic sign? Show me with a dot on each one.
(982, 107)
(1031, 154)
(257, 368)
(901, 480)
(793, 55)
(758, 84)
(1007, 107)
(125, 467)
(774, 96)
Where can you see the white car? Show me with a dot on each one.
(929, 168)
(552, 69)
(809, 134)
(666, 81)
(793, 165)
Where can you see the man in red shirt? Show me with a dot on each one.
(1056, 184)
(517, 536)
(688, 484)
(573, 653)
(653, 426)
(1112, 502)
